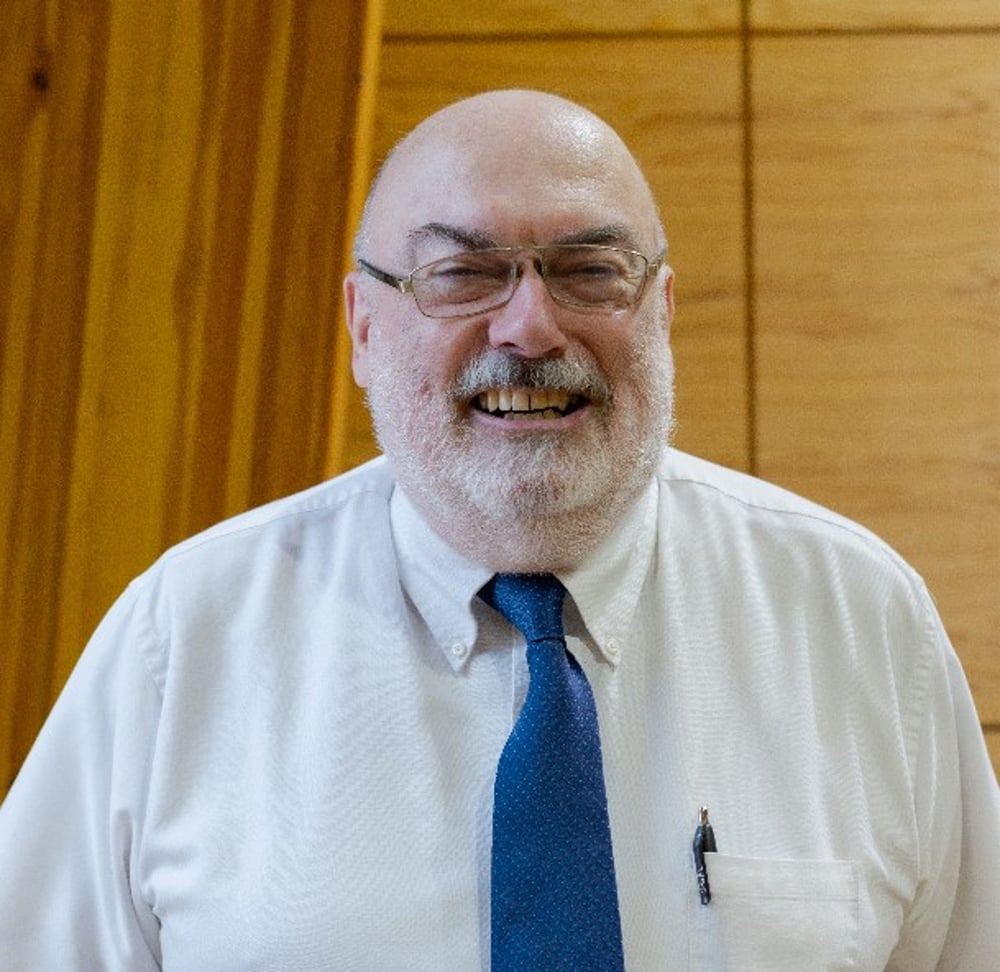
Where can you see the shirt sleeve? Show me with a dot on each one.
(953, 923)
(71, 827)
(973, 940)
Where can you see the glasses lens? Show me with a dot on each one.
(601, 277)
(467, 283)
(594, 276)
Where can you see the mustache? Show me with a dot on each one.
(496, 369)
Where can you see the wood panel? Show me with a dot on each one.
(864, 14)
(685, 127)
(46, 226)
(539, 18)
(174, 226)
(877, 193)
(993, 745)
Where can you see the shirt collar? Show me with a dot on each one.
(443, 585)
(607, 585)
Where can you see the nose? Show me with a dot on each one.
(528, 324)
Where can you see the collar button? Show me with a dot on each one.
(457, 649)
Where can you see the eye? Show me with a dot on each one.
(593, 269)
(589, 264)
(468, 266)
(454, 269)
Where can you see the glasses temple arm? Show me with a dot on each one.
(401, 284)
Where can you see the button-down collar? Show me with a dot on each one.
(606, 586)
(443, 584)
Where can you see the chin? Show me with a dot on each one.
(550, 478)
(540, 516)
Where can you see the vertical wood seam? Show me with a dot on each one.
(749, 239)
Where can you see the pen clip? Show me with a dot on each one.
(704, 843)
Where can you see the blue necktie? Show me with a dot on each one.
(554, 896)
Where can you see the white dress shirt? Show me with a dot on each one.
(277, 752)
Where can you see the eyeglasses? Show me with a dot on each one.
(584, 276)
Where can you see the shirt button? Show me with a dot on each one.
(613, 648)
(458, 649)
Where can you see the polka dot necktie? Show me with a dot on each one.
(554, 898)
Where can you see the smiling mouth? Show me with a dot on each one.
(524, 403)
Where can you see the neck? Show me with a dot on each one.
(525, 543)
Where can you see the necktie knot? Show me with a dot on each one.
(533, 603)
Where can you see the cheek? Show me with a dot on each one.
(414, 374)
(640, 366)
(422, 346)
(615, 351)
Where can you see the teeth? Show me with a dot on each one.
(549, 400)
(544, 404)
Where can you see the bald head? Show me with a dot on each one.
(491, 162)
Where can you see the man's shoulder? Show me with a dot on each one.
(681, 469)
(699, 488)
(355, 499)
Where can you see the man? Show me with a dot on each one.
(281, 747)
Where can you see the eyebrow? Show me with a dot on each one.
(470, 239)
(612, 234)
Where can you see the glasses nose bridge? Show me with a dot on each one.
(535, 255)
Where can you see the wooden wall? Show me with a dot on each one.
(178, 179)
(829, 172)
(175, 187)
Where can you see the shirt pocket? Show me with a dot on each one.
(776, 916)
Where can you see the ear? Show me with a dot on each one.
(359, 324)
(668, 293)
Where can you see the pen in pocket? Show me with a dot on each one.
(704, 843)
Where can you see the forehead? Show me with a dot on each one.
(538, 179)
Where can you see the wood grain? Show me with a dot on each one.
(865, 15)
(175, 230)
(53, 66)
(540, 18)
(877, 188)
